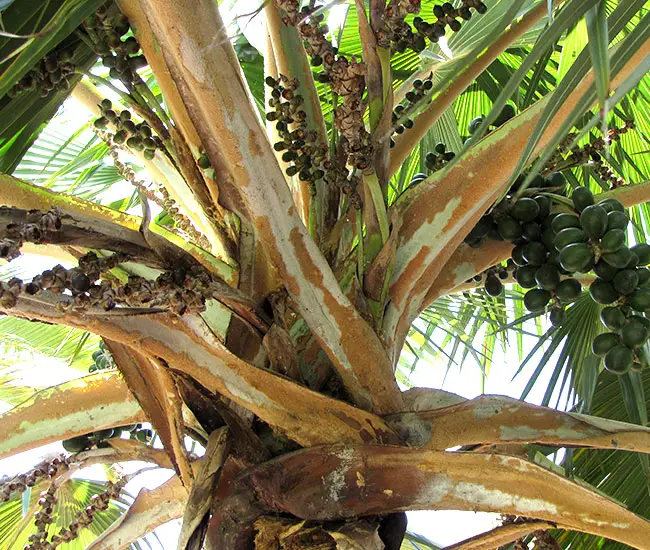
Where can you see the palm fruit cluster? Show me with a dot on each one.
(298, 144)
(50, 75)
(99, 438)
(47, 469)
(494, 277)
(43, 517)
(504, 116)
(36, 227)
(438, 158)
(413, 98)
(102, 359)
(402, 36)
(138, 137)
(122, 56)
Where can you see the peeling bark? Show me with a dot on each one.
(91, 403)
(207, 74)
(493, 419)
(339, 481)
(501, 535)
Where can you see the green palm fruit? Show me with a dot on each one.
(493, 285)
(544, 207)
(626, 281)
(617, 220)
(525, 209)
(536, 300)
(619, 259)
(603, 292)
(509, 229)
(557, 316)
(604, 342)
(640, 300)
(612, 240)
(505, 115)
(568, 236)
(517, 255)
(582, 197)
(563, 221)
(611, 205)
(634, 333)
(535, 253)
(642, 250)
(531, 231)
(474, 124)
(613, 318)
(76, 444)
(593, 220)
(547, 277)
(526, 276)
(575, 257)
(619, 359)
(568, 290)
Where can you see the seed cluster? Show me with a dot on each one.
(413, 98)
(138, 137)
(504, 116)
(51, 75)
(494, 277)
(345, 76)
(122, 56)
(402, 35)
(35, 229)
(48, 469)
(102, 359)
(98, 503)
(300, 149)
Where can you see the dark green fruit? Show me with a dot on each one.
(575, 257)
(493, 285)
(562, 221)
(634, 333)
(536, 299)
(619, 259)
(526, 276)
(612, 240)
(120, 137)
(525, 210)
(535, 253)
(604, 342)
(611, 205)
(76, 444)
(617, 220)
(555, 179)
(568, 236)
(557, 316)
(594, 221)
(613, 318)
(603, 292)
(144, 435)
(149, 154)
(605, 271)
(100, 435)
(505, 115)
(531, 231)
(640, 299)
(547, 277)
(548, 236)
(644, 276)
(642, 250)
(204, 161)
(474, 124)
(517, 255)
(626, 281)
(619, 359)
(509, 228)
(582, 197)
(482, 228)
(544, 207)
(568, 290)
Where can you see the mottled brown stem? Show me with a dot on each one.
(502, 535)
(212, 86)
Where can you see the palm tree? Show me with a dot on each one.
(253, 249)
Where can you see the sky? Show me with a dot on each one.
(443, 527)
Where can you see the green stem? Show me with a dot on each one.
(372, 183)
(360, 253)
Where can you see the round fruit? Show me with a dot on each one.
(634, 333)
(493, 285)
(644, 276)
(556, 179)
(594, 221)
(143, 435)
(613, 318)
(619, 259)
(611, 205)
(536, 299)
(526, 276)
(531, 231)
(612, 240)
(642, 250)
(617, 220)
(548, 236)
(76, 444)
(547, 277)
(603, 292)
(505, 115)
(640, 299)
(544, 206)
(525, 210)
(509, 228)
(517, 255)
(474, 124)
(626, 281)
(582, 197)
(619, 359)
(482, 228)
(562, 221)
(537, 181)
(575, 257)
(103, 434)
(568, 290)
(568, 236)
(535, 253)
(557, 316)
(604, 342)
